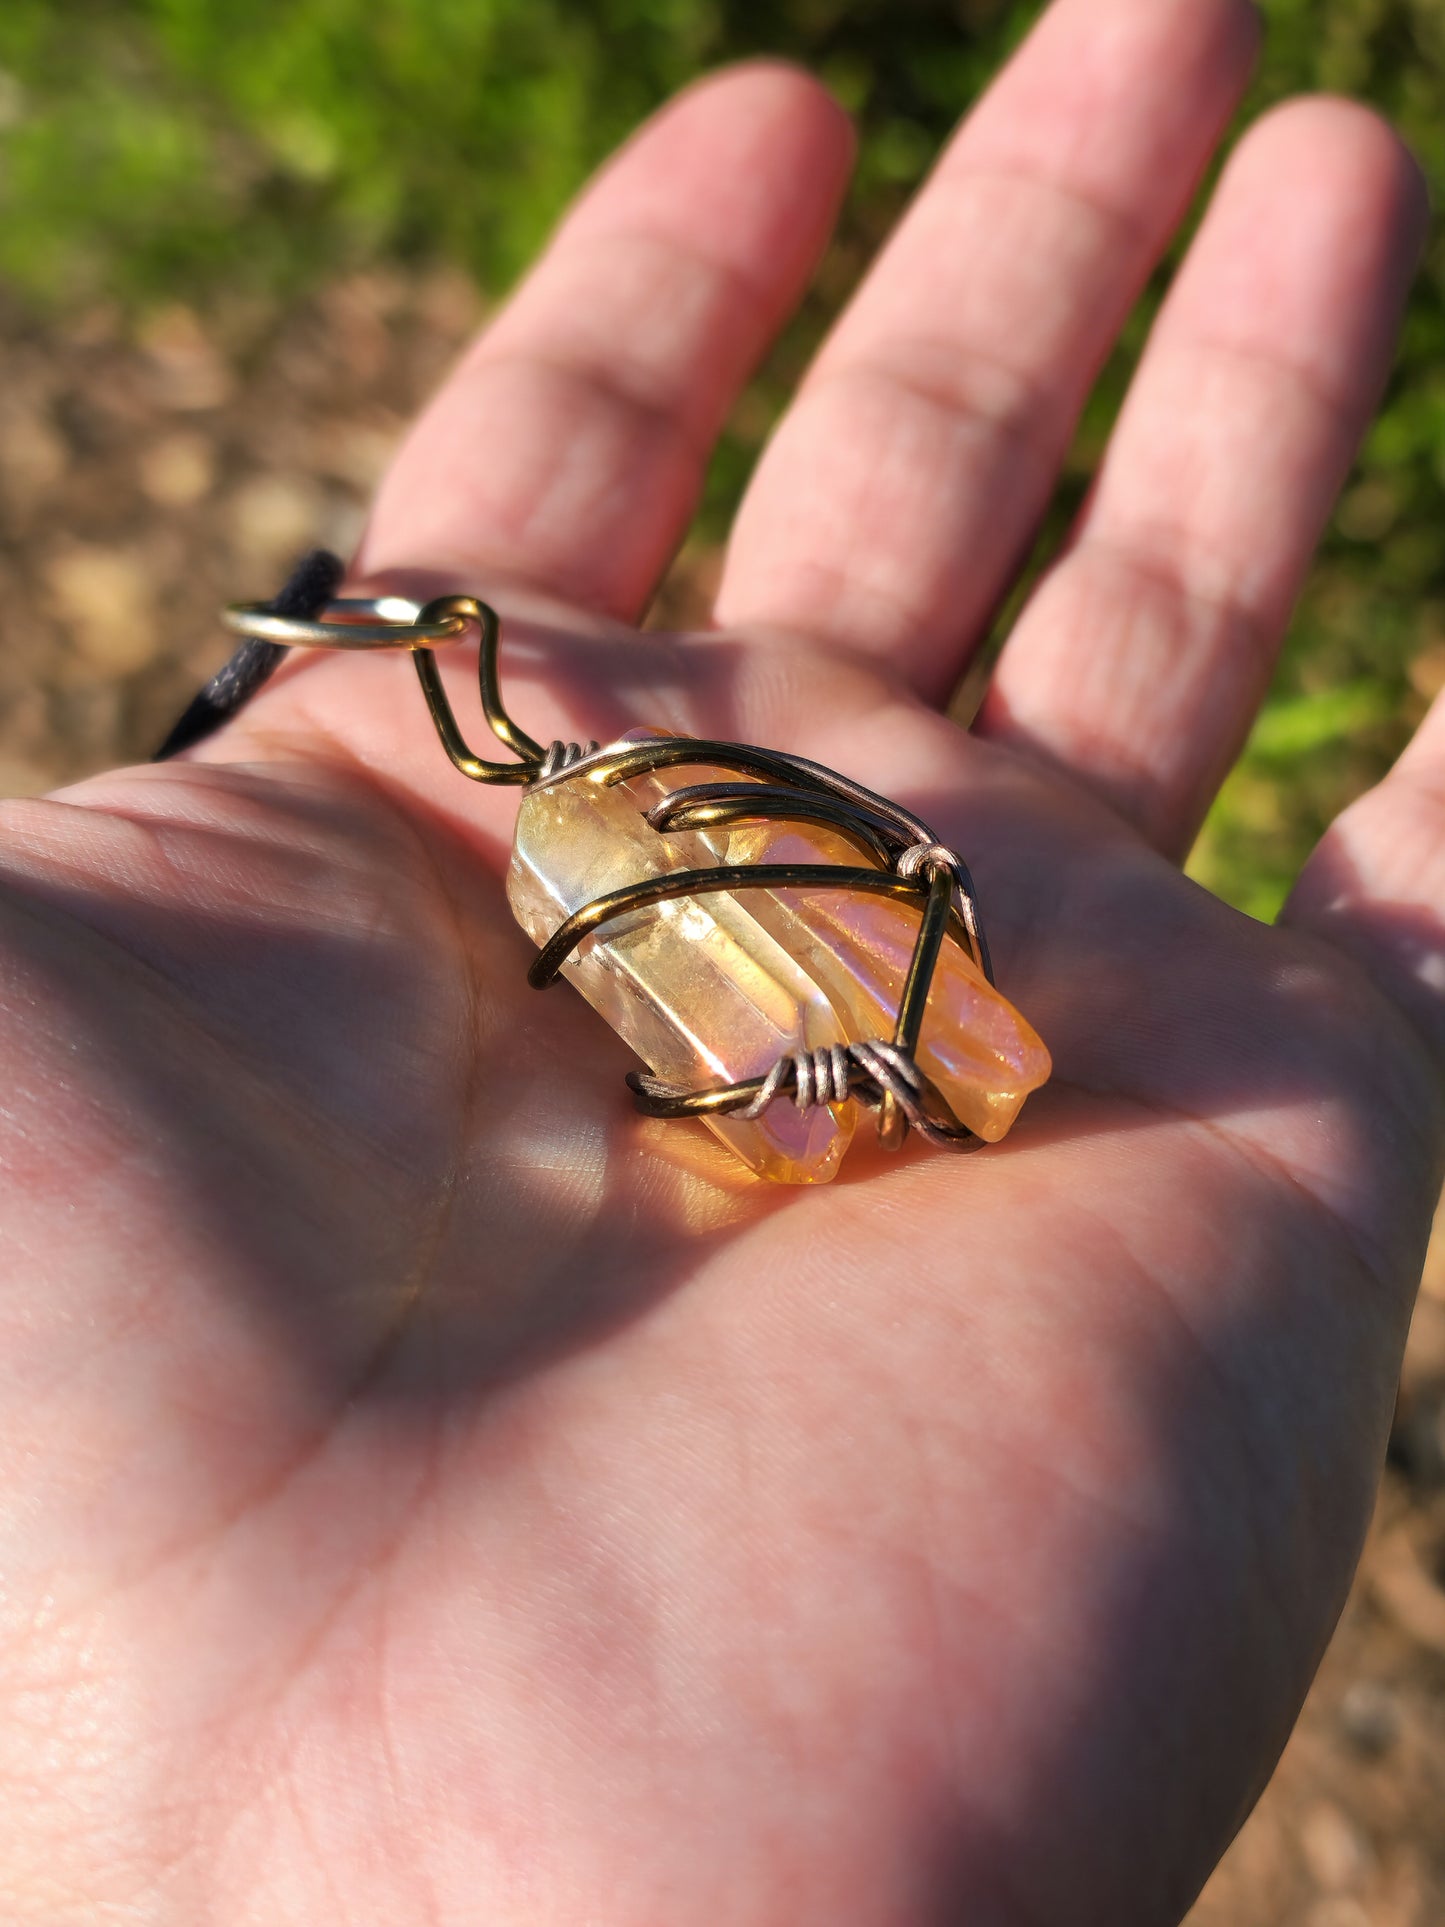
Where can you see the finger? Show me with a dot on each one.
(1375, 886)
(901, 490)
(568, 449)
(1143, 658)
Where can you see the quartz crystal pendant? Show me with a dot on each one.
(714, 989)
(771, 979)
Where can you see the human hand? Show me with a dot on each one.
(431, 1492)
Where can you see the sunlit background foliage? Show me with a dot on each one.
(154, 150)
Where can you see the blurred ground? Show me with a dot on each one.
(149, 470)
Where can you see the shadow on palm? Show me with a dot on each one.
(339, 989)
(420, 1188)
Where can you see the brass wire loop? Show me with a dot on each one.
(902, 859)
(393, 627)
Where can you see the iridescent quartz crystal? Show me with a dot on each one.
(712, 990)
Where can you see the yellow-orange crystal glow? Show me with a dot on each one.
(714, 989)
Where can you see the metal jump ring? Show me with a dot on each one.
(395, 627)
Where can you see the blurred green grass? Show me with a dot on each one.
(160, 149)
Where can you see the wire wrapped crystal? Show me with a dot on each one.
(773, 984)
(782, 947)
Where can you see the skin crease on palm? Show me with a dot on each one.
(430, 1493)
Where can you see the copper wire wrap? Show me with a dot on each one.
(901, 858)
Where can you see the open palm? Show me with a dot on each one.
(428, 1491)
